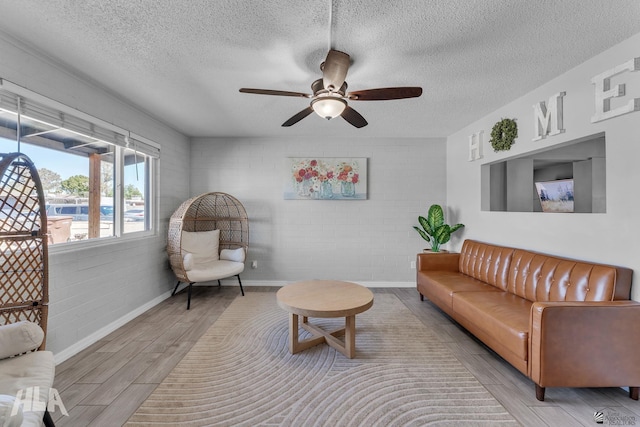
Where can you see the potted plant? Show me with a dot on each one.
(434, 230)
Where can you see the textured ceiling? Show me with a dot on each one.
(184, 61)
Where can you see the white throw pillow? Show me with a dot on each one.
(187, 261)
(6, 408)
(20, 337)
(203, 245)
(236, 255)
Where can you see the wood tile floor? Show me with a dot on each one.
(105, 383)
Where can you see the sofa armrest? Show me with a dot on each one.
(585, 344)
(438, 261)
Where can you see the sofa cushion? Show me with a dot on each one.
(439, 286)
(20, 337)
(501, 315)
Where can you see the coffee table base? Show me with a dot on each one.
(319, 336)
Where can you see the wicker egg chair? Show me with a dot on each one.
(193, 219)
(24, 278)
(24, 286)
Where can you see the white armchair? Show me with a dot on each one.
(208, 240)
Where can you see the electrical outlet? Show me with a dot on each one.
(412, 265)
(254, 264)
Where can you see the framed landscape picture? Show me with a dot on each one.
(325, 178)
(556, 196)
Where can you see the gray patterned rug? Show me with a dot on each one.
(240, 373)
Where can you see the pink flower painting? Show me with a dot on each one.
(326, 178)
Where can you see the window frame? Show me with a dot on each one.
(145, 147)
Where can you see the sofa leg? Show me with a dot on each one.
(539, 393)
(634, 392)
(421, 297)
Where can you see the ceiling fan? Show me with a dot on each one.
(330, 96)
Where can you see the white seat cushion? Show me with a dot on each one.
(215, 270)
(9, 417)
(28, 370)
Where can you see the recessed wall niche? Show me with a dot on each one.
(510, 184)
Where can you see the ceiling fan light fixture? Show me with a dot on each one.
(328, 107)
(328, 102)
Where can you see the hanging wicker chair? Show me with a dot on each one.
(196, 216)
(24, 285)
(24, 290)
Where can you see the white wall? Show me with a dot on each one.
(612, 237)
(93, 289)
(367, 241)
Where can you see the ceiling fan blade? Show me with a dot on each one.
(353, 117)
(299, 116)
(384, 94)
(274, 92)
(334, 70)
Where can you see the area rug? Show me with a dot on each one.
(240, 373)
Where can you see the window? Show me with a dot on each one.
(97, 178)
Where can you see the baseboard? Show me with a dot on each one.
(103, 332)
(248, 283)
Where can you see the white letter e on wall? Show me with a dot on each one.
(604, 92)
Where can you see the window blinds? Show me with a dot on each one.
(54, 115)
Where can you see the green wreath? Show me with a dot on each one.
(503, 134)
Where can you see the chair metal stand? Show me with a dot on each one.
(239, 281)
(47, 420)
(189, 290)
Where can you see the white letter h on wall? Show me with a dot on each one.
(475, 146)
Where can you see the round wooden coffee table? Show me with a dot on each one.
(324, 298)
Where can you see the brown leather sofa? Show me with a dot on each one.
(561, 322)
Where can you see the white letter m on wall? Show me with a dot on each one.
(547, 119)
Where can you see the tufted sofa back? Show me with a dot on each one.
(485, 262)
(539, 277)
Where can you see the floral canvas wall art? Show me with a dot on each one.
(326, 178)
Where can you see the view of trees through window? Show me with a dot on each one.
(65, 180)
